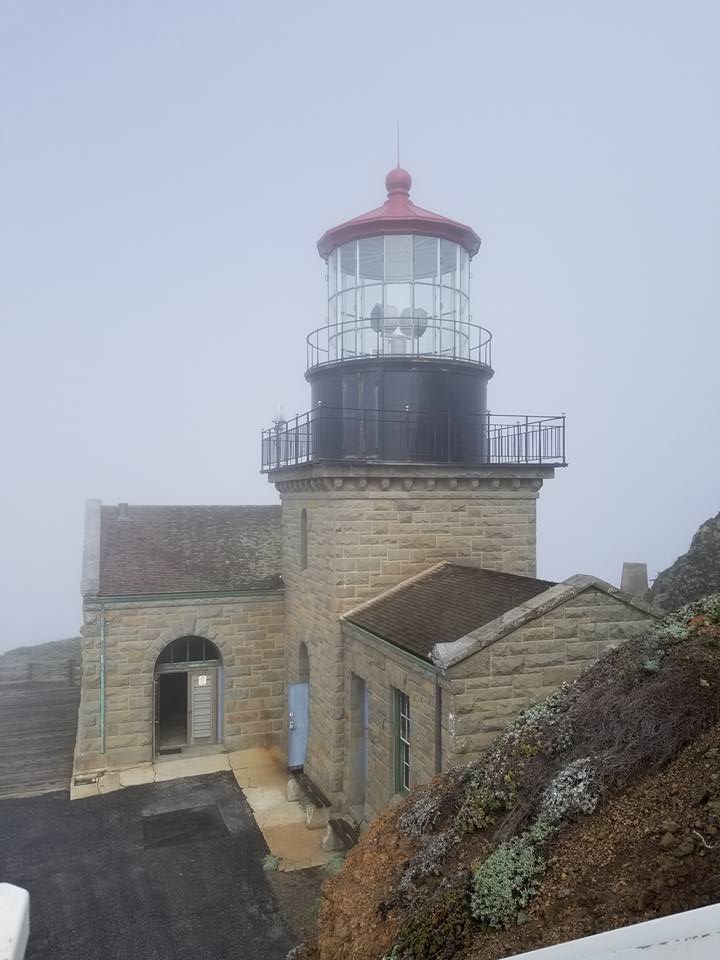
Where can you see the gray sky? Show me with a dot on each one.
(167, 167)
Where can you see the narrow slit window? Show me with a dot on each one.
(303, 539)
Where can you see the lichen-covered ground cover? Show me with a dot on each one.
(597, 808)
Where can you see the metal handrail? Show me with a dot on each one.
(408, 336)
(414, 436)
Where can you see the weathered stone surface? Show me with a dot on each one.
(497, 682)
(365, 538)
(293, 791)
(331, 842)
(249, 633)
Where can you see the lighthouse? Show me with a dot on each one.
(398, 462)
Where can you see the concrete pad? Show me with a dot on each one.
(109, 782)
(190, 766)
(293, 791)
(269, 805)
(316, 818)
(83, 790)
(134, 776)
(256, 757)
(296, 847)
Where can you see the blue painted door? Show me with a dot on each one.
(298, 701)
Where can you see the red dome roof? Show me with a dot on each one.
(396, 216)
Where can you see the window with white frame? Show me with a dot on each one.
(402, 741)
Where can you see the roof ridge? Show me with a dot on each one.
(416, 577)
(471, 565)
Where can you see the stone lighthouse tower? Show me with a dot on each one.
(398, 464)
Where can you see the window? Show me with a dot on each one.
(189, 650)
(402, 741)
(303, 540)
(303, 664)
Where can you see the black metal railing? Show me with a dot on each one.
(412, 436)
(415, 336)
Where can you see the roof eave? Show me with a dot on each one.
(360, 230)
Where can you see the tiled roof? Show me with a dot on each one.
(194, 549)
(444, 603)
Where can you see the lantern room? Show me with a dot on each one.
(399, 369)
(399, 285)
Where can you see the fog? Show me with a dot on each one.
(167, 168)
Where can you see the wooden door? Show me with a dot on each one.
(202, 706)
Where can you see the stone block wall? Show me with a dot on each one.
(490, 688)
(383, 668)
(369, 529)
(249, 633)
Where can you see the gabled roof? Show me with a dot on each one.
(145, 550)
(449, 653)
(443, 604)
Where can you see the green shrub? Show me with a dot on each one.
(270, 862)
(480, 808)
(506, 881)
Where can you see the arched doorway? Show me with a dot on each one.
(188, 695)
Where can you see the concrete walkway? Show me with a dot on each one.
(262, 777)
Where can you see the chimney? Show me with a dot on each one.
(123, 511)
(634, 580)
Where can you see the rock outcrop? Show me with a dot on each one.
(693, 575)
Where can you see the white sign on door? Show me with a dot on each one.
(202, 681)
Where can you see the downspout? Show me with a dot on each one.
(438, 725)
(102, 677)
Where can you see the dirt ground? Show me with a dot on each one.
(299, 896)
(645, 720)
(652, 851)
(648, 853)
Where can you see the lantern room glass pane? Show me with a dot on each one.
(332, 273)
(448, 263)
(398, 258)
(370, 253)
(371, 299)
(348, 265)
(425, 259)
(399, 294)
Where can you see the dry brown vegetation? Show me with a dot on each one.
(597, 808)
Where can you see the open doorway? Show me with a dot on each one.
(171, 692)
(188, 696)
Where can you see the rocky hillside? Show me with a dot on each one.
(55, 660)
(695, 574)
(598, 808)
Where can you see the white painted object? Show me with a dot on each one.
(693, 935)
(14, 921)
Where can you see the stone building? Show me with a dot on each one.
(385, 620)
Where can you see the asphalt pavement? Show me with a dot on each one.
(163, 871)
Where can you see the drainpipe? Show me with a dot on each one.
(438, 726)
(102, 677)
